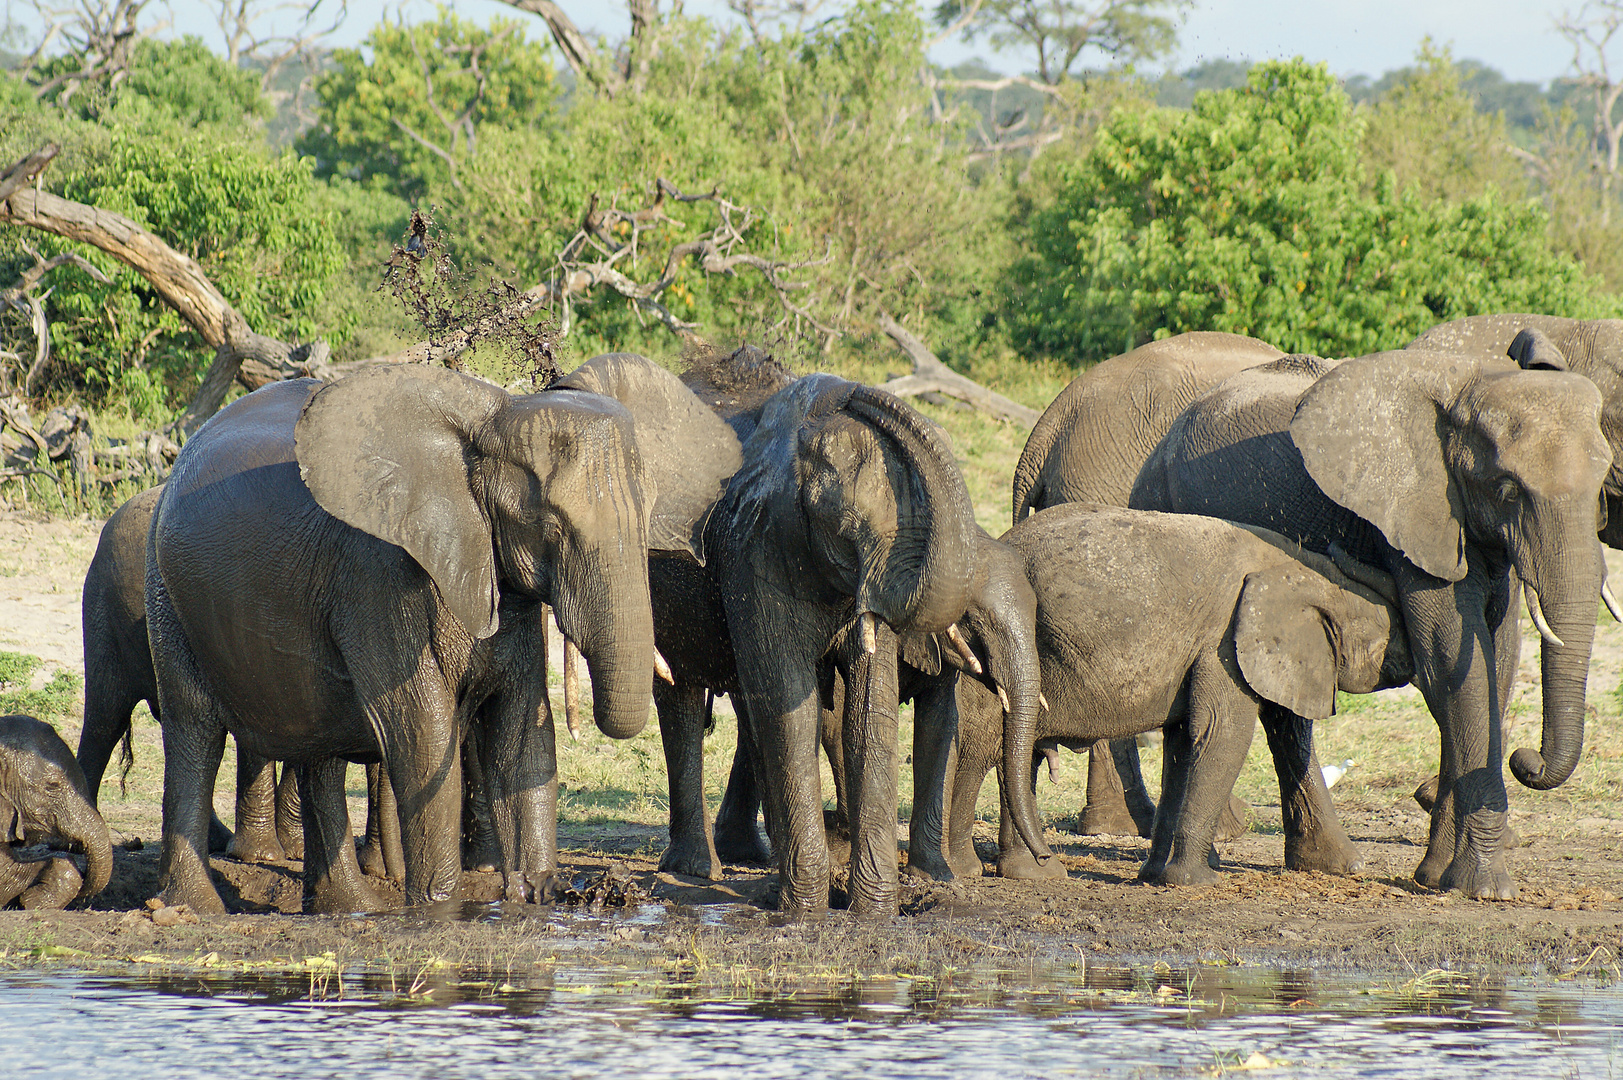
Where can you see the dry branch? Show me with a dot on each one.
(931, 376)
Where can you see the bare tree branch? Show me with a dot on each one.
(583, 59)
(931, 376)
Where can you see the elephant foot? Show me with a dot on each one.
(370, 856)
(1021, 865)
(1111, 819)
(742, 845)
(482, 857)
(532, 886)
(1426, 794)
(1327, 855)
(255, 847)
(55, 887)
(219, 836)
(837, 837)
(809, 903)
(1180, 872)
(341, 898)
(1232, 823)
(203, 900)
(691, 857)
(292, 841)
(1478, 882)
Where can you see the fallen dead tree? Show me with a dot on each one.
(930, 377)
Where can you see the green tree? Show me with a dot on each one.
(1060, 31)
(411, 119)
(1250, 213)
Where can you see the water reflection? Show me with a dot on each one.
(561, 1021)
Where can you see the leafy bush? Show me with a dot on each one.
(1250, 213)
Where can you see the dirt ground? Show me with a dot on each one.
(1568, 917)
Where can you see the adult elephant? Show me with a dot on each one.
(1088, 446)
(1461, 478)
(1592, 348)
(119, 676)
(357, 571)
(847, 523)
(43, 795)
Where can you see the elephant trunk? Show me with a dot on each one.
(1017, 675)
(613, 626)
(85, 827)
(927, 576)
(1564, 608)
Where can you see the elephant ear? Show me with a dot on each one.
(688, 451)
(387, 450)
(1283, 642)
(1533, 349)
(1371, 433)
(921, 652)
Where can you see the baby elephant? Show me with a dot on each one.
(1190, 624)
(44, 795)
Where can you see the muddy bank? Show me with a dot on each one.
(1568, 917)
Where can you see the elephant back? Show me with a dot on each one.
(1091, 441)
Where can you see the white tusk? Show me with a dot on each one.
(1536, 611)
(1611, 601)
(1003, 699)
(1042, 702)
(662, 669)
(962, 648)
(869, 642)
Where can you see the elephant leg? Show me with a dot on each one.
(1455, 671)
(16, 876)
(935, 767)
(255, 839)
(1114, 808)
(1314, 838)
(56, 883)
(682, 719)
(837, 823)
(380, 854)
(1201, 758)
(870, 736)
(289, 828)
(333, 884)
(1015, 859)
(517, 742)
(738, 838)
(480, 850)
(109, 701)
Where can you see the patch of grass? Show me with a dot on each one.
(56, 700)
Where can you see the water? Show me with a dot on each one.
(1105, 1021)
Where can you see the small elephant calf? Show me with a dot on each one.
(44, 795)
(1194, 625)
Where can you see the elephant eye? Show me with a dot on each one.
(1509, 491)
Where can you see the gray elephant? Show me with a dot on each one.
(1088, 447)
(1148, 621)
(357, 571)
(1592, 348)
(848, 512)
(119, 675)
(1461, 478)
(43, 795)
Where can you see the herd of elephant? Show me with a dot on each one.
(1207, 534)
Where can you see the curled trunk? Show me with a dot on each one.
(89, 830)
(1568, 603)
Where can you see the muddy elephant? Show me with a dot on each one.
(1464, 479)
(43, 795)
(119, 675)
(1592, 348)
(357, 572)
(1159, 621)
(1088, 447)
(848, 512)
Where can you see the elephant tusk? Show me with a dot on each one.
(961, 647)
(1536, 611)
(1611, 601)
(1042, 702)
(662, 669)
(870, 643)
(1003, 699)
(572, 689)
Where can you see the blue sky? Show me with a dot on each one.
(1355, 36)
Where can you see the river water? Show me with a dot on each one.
(151, 1020)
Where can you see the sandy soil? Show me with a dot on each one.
(1567, 918)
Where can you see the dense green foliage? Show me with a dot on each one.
(1251, 213)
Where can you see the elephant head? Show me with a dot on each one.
(548, 495)
(1303, 632)
(43, 794)
(1446, 455)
